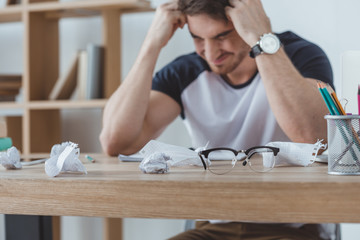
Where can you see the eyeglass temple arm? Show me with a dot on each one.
(275, 150)
(202, 160)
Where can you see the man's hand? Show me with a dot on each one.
(249, 19)
(167, 20)
(134, 114)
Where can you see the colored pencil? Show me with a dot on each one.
(336, 100)
(330, 103)
(333, 109)
(325, 99)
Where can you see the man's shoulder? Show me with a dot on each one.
(307, 57)
(299, 48)
(289, 38)
(184, 68)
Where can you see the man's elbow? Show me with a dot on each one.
(108, 145)
(113, 145)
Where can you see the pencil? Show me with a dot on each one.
(330, 103)
(336, 100)
(333, 109)
(91, 159)
(321, 90)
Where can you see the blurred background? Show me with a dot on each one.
(332, 24)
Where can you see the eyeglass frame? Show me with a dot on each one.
(206, 153)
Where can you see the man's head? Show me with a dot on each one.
(213, 8)
(214, 35)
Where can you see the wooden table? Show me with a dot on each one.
(114, 189)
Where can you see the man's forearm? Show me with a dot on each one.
(129, 120)
(125, 111)
(295, 101)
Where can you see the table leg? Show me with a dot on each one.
(56, 228)
(112, 229)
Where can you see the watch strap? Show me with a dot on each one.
(255, 51)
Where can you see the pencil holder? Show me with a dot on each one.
(344, 144)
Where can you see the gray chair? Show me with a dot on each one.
(190, 224)
(338, 232)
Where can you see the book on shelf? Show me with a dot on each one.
(95, 75)
(9, 92)
(84, 76)
(12, 2)
(66, 83)
(3, 127)
(10, 85)
(90, 72)
(10, 77)
(10, 98)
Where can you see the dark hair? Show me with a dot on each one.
(214, 8)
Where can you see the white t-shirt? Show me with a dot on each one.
(225, 116)
(240, 116)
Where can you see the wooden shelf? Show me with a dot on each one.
(67, 104)
(39, 118)
(123, 5)
(11, 14)
(38, 126)
(11, 105)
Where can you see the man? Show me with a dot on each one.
(224, 94)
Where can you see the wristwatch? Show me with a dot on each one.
(269, 43)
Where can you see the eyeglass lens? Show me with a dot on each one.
(223, 161)
(261, 160)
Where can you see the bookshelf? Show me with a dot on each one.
(38, 127)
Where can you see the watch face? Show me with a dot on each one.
(270, 43)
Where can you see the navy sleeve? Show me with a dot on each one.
(166, 81)
(309, 59)
(177, 75)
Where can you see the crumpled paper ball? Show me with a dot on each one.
(11, 158)
(64, 157)
(155, 163)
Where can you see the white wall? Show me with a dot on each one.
(332, 24)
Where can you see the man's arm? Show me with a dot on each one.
(134, 114)
(295, 100)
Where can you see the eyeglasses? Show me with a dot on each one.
(222, 160)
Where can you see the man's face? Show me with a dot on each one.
(218, 43)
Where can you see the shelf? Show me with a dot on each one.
(11, 105)
(11, 14)
(91, 7)
(67, 104)
(88, 8)
(35, 121)
(58, 104)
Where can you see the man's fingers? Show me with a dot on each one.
(173, 5)
(235, 3)
(227, 12)
(182, 20)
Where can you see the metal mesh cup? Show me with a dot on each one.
(344, 144)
